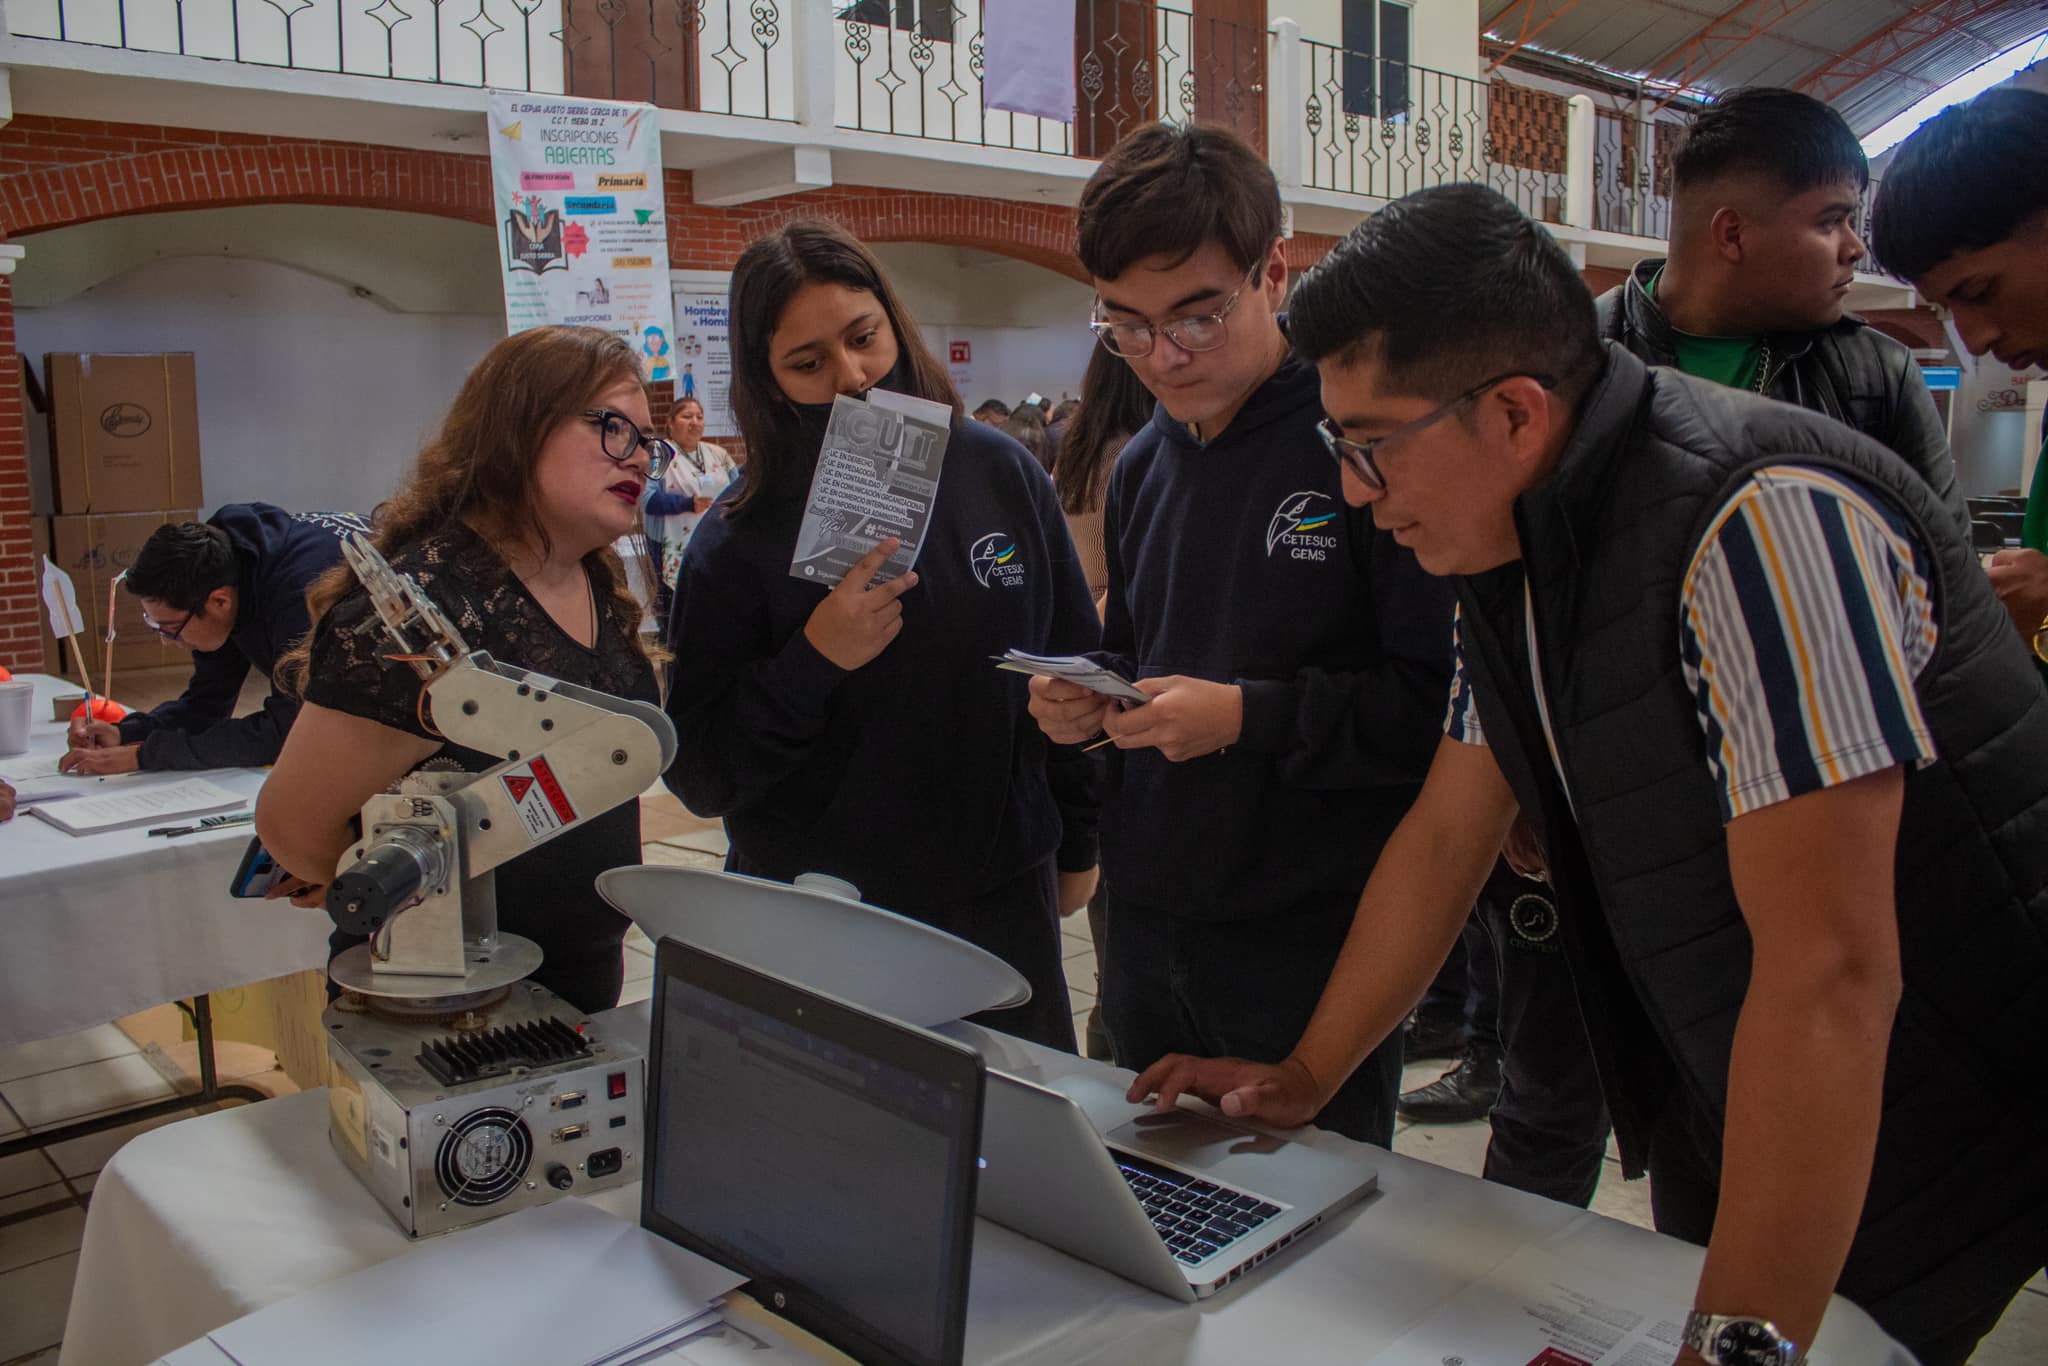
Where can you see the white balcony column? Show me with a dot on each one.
(6, 80)
(1580, 128)
(1285, 107)
(815, 33)
(10, 256)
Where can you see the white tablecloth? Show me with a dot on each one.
(100, 926)
(198, 1223)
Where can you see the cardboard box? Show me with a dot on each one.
(92, 550)
(124, 432)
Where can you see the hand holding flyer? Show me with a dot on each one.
(1082, 673)
(877, 477)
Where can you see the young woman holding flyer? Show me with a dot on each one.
(862, 730)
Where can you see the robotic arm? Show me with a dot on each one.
(420, 882)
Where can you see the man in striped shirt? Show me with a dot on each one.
(1737, 665)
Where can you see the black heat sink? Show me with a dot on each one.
(460, 1059)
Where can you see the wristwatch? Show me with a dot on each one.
(1731, 1340)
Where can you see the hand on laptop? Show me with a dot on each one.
(1282, 1094)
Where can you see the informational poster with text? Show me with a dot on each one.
(582, 238)
(703, 358)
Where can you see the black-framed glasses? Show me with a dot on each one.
(619, 436)
(1358, 456)
(1199, 332)
(169, 633)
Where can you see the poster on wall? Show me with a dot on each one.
(582, 238)
(703, 356)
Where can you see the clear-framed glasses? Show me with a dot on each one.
(1359, 456)
(1198, 332)
(619, 436)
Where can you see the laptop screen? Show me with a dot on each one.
(827, 1153)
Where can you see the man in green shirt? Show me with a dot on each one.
(1963, 216)
(1763, 249)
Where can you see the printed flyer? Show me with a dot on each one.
(703, 358)
(582, 238)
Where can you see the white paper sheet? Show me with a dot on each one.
(563, 1284)
(1540, 1309)
(162, 803)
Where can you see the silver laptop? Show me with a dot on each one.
(1182, 1203)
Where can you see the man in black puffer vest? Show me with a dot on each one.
(1764, 243)
(1740, 668)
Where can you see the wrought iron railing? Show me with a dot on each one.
(915, 70)
(720, 56)
(1632, 174)
(1383, 128)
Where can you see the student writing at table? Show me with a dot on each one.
(507, 522)
(232, 591)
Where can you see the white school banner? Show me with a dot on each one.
(582, 238)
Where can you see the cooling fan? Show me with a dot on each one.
(484, 1156)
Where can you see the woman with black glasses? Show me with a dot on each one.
(507, 522)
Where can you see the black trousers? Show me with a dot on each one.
(1550, 1125)
(1018, 921)
(1238, 988)
(1466, 992)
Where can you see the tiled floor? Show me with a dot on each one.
(44, 1195)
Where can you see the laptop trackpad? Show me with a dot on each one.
(1191, 1138)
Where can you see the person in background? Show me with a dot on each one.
(992, 411)
(1056, 425)
(1963, 216)
(232, 591)
(1736, 663)
(507, 522)
(860, 730)
(1764, 248)
(1026, 427)
(1294, 655)
(1114, 404)
(683, 494)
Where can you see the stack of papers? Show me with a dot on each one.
(38, 781)
(123, 807)
(562, 1284)
(1073, 669)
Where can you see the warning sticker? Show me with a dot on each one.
(543, 806)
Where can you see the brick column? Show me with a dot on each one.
(21, 639)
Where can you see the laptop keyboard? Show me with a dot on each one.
(1197, 1219)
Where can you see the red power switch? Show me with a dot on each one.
(615, 1085)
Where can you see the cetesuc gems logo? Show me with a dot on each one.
(1302, 524)
(994, 561)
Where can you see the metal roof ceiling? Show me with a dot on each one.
(1868, 58)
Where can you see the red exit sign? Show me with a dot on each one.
(962, 352)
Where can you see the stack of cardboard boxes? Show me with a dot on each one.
(124, 454)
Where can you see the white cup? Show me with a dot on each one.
(17, 705)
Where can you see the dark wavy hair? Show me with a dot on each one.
(1114, 404)
(1972, 176)
(181, 564)
(479, 467)
(769, 273)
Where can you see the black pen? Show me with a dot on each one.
(210, 823)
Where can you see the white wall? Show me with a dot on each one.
(1027, 326)
(309, 396)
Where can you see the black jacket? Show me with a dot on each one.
(1660, 952)
(921, 776)
(1851, 372)
(1237, 561)
(278, 554)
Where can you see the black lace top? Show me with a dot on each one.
(546, 895)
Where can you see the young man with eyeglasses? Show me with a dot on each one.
(232, 590)
(1294, 655)
(1738, 666)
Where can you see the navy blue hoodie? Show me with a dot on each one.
(921, 776)
(1239, 562)
(278, 554)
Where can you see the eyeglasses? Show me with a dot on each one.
(619, 436)
(1201, 332)
(168, 633)
(1358, 456)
